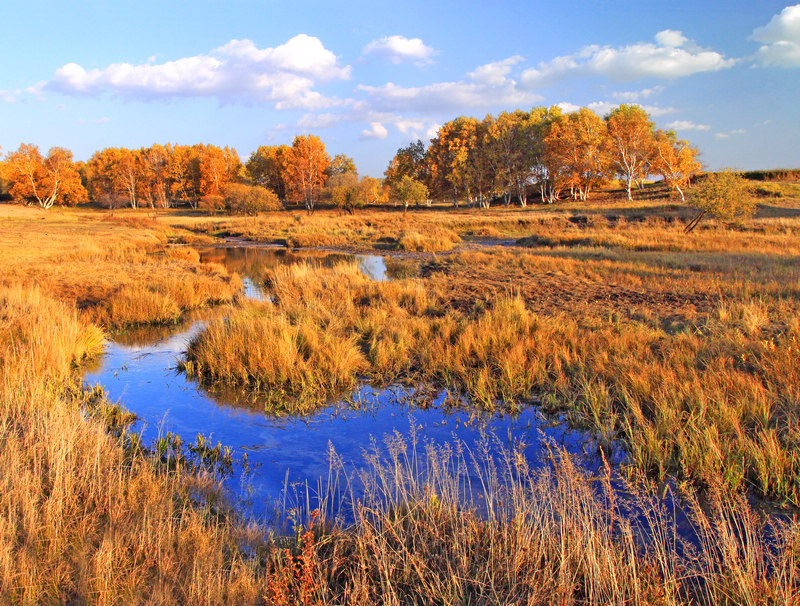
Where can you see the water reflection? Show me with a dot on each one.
(145, 379)
(139, 369)
(254, 263)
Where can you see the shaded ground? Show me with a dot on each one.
(553, 291)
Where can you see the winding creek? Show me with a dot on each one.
(139, 369)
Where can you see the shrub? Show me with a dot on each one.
(250, 199)
(725, 194)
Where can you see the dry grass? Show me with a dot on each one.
(452, 525)
(83, 519)
(123, 274)
(714, 399)
(435, 241)
(687, 353)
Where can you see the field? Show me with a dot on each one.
(681, 348)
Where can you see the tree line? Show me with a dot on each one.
(543, 152)
(206, 176)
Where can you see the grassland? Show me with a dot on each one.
(684, 348)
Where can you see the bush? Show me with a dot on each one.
(725, 194)
(250, 199)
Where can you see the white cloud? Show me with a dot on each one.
(687, 125)
(602, 108)
(780, 38)
(102, 120)
(310, 121)
(8, 96)
(738, 131)
(488, 86)
(494, 74)
(672, 56)
(672, 38)
(398, 49)
(237, 71)
(630, 96)
(433, 130)
(376, 131)
(405, 125)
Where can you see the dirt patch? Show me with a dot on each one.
(555, 291)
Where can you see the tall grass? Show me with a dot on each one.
(713, 399)
(121, 276)
(453, 524)
(82, 519)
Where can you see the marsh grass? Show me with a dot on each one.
(473, 524)
(82, 518)
(432, 241)
(695, 370)
(711, 399)
(123, 275)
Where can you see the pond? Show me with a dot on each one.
(139, 370)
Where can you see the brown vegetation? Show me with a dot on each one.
(683, 348)
(122, 275)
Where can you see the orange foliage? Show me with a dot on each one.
(47, 181)
(304, 168)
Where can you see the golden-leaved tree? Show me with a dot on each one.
(305, 167)
(675, 160)
(49, 180)
(266, 168)
(576, 152)
(630, 143)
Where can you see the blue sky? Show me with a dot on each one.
(369, 77)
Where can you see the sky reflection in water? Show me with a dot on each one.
(141, 373)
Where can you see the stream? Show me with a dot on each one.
(139, 369)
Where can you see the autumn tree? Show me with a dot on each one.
(457, 160)
(305, 168)
(675, 160)
(575, 153)
(515, 150)
(116, 172)
(408, 190)
(630, 143)
(265, 167)
(155, 169)
(49, 180)
(409, 160)
(726, 195)
(341, 164)
(341, 190)
(370, 191)
(183, 170)
(218, 167)
(249, 200)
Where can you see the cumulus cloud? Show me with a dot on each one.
(487, 86)
(399, 49)
(237, 71)
(311, 121)
(672, 56)
(687, 125)
(493, 74)
(375, 131)
(780, 39)
(602, 108)
(671, 38)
